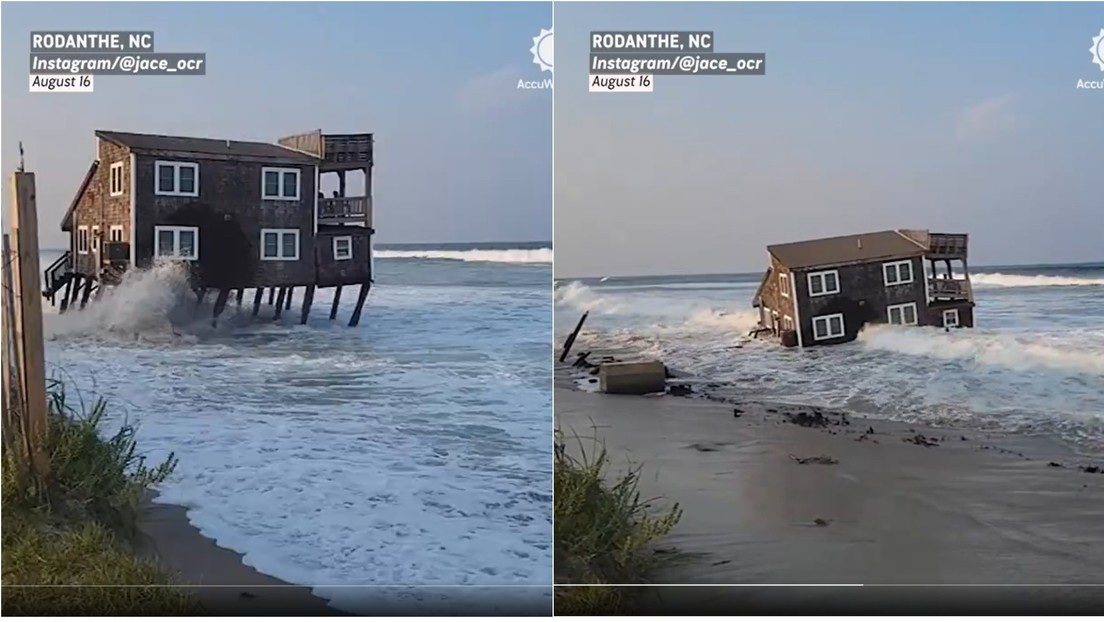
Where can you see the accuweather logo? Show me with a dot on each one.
(542, 50)
(1097, 49)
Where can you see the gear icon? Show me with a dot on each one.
(542, 50)
(1097, 49)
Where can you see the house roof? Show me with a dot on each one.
(858, 248)
(205, 146)
(67, 220)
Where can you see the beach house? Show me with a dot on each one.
(824, 291)
(239, 214)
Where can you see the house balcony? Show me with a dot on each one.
(345, 211)
(947, 245)
(950, 289)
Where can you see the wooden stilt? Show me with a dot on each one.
(308, 300)
(337, 298)
(78, 281)
(241, 294)
(65, 296)
(220, 304)
(287, 302)
(271, 294)
(88, 283)
(280, 303)
(100, 289)
(355, 319)
(257, 300)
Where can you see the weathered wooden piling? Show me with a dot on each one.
(280, 303)
(355, 319)
(65, 296)
(271, 294)
(257, 300)
(308, 300)
(241, 294)
(287, 302)
(78, 281)
(88, 283)
(220, 305)
(571, 339)
(337, 298)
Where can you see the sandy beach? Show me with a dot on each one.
(217, 576)
(895, 504)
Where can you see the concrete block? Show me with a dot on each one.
(635, 378)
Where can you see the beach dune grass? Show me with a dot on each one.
(604, 533)
(70, 549)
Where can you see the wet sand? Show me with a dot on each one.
(975, 509)
(217, 576)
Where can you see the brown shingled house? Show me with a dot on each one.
(240, 214)
(824, 291)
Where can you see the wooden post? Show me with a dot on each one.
(571, 339)
(257, 300)
(271, 294)
(337, 298)
(280, 303)
(241, 294)
(88, 283)
(28, 323)
(220, 304)
(308, 300)
(11, 400)
(287, 301)
(65, 297)
(200, 295)
(355, 319)
(77, 281)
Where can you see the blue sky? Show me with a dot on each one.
(944, 116)
(462, 154)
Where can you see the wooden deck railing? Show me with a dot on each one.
(345, 209)
(950, 288)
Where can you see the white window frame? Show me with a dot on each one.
(821, 274)
(896, 268)
(176, 166)
(83, 240)
(281, 172)
(784, 284)
(347, 238)
(176, 242)
(111, 234)
(280, 244)
(828, 326)
(957, 317)
(116, 179)
(905, 305)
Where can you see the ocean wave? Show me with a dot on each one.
(998, 279)
(1016, 352)
(513, 255)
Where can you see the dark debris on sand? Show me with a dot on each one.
(921, 440)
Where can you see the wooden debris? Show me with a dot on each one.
(821, 459)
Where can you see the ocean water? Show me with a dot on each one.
(1034, 363)
(411, 450)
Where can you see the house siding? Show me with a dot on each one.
(230, 214)
(358, 269)
(97, 208)
(862, 299)
(772, 297)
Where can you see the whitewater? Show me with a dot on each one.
(1034, 364)
(412, 450)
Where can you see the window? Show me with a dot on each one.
(96, 239)
(343, 247)
(177, 179)
(82, 240)
(280, 244)
(828, 326)
(784, 284)
(787, 322)
(824, 283)
(897, 272)
(176, 242)
(904, 314)
(280, 184)
(116, 179)
(115, 234)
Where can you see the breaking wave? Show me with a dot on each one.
(997, 279)
(1015, 352)
(146, 305)
(515, 255)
